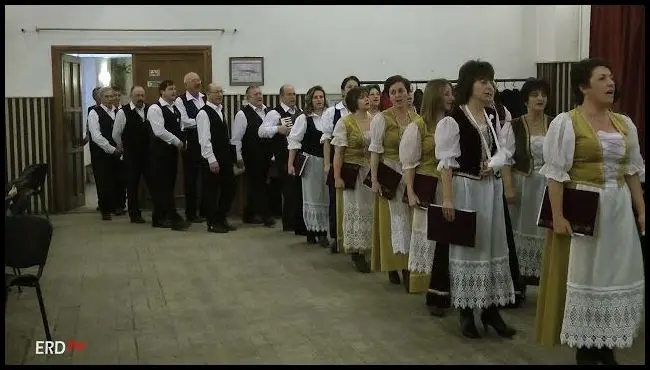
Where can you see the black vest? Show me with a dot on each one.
(279, 142)
(311, 141)
(105, 127)
(172, 124)
(137, 131)
(190, 107)
(219, 138)
(252, 147)
(523, 157)
(471, 145)
(337, 117)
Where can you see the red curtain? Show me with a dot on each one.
(617, 35)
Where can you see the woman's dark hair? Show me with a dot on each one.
(347, 79)
(309, 103)
(353, 96)
(376, 87)
(581, 74)
(417, 100)
(470, 72)
(534, 84)
(392, 80)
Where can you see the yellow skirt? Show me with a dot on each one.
(552, 289)
(339, 220)
(383, 259)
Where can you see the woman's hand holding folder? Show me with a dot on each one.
(448, 210)
(413, 198)
(561, 225)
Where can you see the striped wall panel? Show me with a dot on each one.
(557, 74)
(28, 141)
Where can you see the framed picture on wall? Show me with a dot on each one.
(246, 71)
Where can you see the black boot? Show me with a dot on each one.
(587, 356)
(467, 325)
(606, 356)
(433, 307)
(393, 277)
(406, 278)
(491, 317)
(334, 248)
(311, 238)
(360, 263)
(322, 241)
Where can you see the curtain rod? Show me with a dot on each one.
(38, 29)
(452, 81)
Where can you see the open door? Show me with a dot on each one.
(73, 124)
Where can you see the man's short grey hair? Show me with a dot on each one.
(213, 86)
(104, 90)
(188, 77)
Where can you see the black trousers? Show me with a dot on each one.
(257, 198)
(291, 201)
(135, 166)
(439, 294)
(105, 170)
(163, 164)
(192, 165)
(121, 181)
(299, 227)
(332, 211)
(217, 192)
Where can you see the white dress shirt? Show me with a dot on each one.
(241, 124)
(120, 122)
(269, 127)
(299, 129)
(157, 121)
(186, 121)
(328, 120)
(95, 132)
(203, 128)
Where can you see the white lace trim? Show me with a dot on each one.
(530, 250)
(357, 225)
(400, 223)
(316, 216)
(480, 284)
(421, 252)
(602, 317)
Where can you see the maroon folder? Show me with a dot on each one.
(580, 208)
(462, 231)
(388, 180)
(299, 163)
(349, 174)
(424, 187)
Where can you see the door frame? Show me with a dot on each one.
(60, 184)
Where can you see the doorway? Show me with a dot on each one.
(127, 66)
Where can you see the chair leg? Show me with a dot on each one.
(41, 305)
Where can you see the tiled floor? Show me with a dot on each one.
(138, 295)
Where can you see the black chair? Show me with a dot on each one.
(27, 243)
(31, 182)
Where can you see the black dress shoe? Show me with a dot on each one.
(253, 220)
(137, 220)
(587, 356)
(606, 356)
(393, 277)
(323, 242)
(120, 212)
(165, 224)
(228, 226)
(491, 317)
(219, 229)
(437, 311)
(269, 222)
(311, 239)
(180, 226)
(360, 263)
(106, 216)
(196, 219)
(467, 325)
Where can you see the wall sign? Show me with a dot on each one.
(246, 71)
(153, 83)
(154, 73)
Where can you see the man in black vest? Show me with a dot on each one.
(254, 154)
(189, 103)
(165, 120)
(103, 152)
(276, 126)
(86, 137)
(131, 134)
(218, 187)
(120, 170)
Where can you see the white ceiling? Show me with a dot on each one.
(108, 56)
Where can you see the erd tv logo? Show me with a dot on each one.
(58, 347)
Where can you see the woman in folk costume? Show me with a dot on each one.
(374, 94)
(467, 144)
(350, 138)
(392, 221)
(591, 288)
(526, 189)
(417, 154)
(305, 136)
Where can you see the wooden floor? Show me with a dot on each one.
(138, 295)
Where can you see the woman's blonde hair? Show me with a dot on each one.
(433, 100)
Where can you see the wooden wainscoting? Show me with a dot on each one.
(28, 141)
